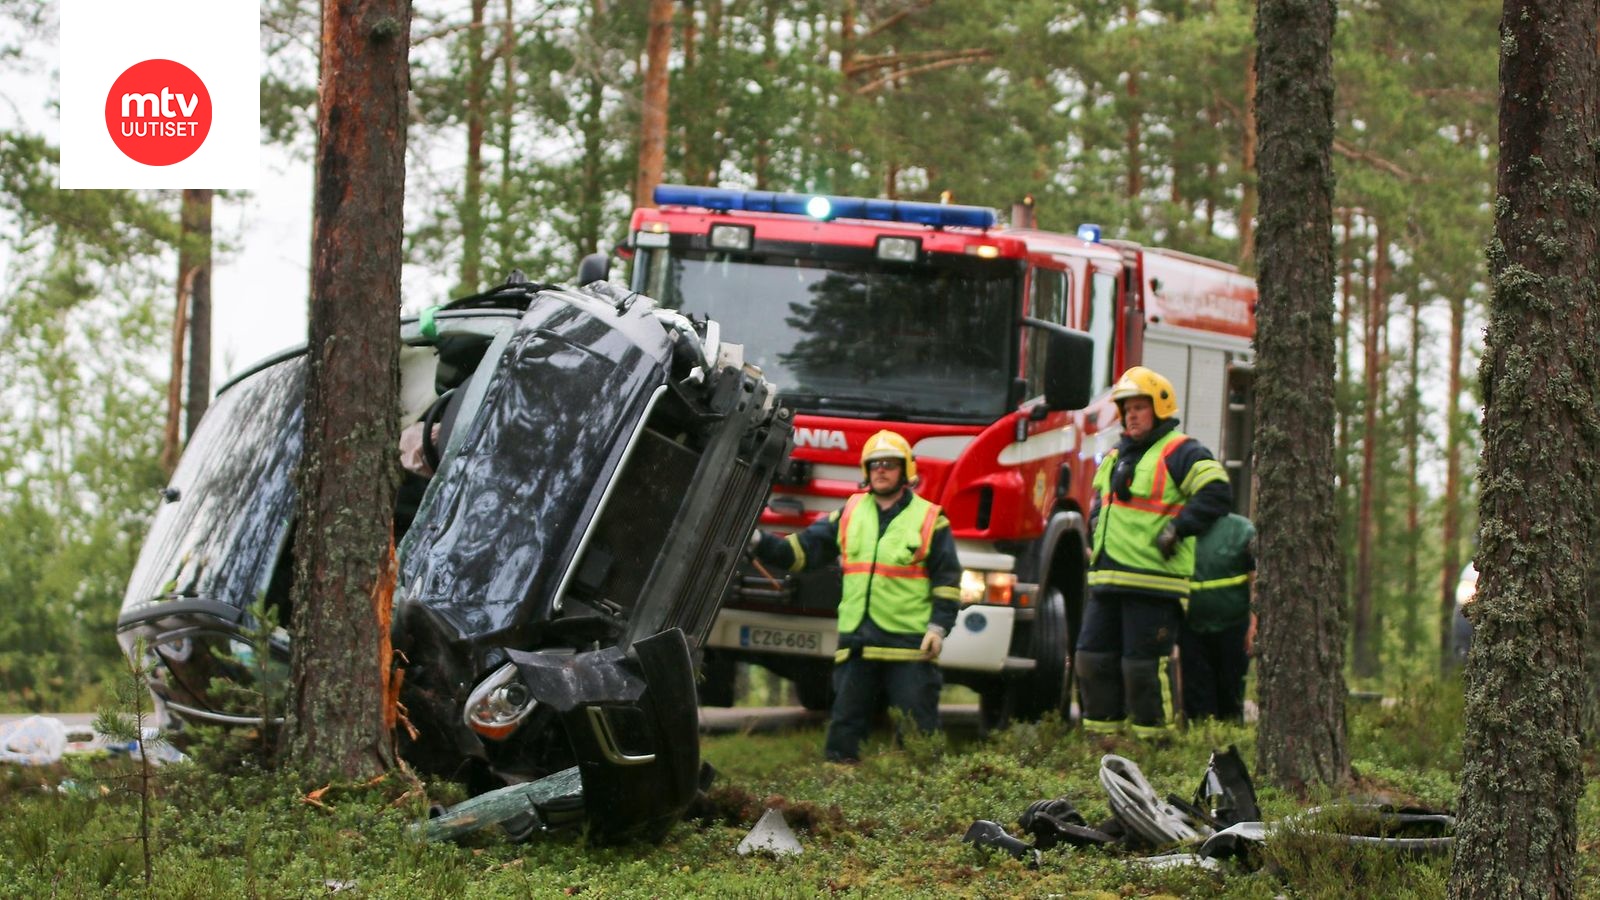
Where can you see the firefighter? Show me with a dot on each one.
(1214, 648)
(1153, 493)
(899, 599)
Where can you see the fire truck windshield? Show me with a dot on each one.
(930, 341)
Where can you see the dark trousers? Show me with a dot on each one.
(912, 687)
(1214, 666)
(1123, 639)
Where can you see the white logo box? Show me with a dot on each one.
(219, 40)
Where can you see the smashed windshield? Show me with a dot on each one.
(930, 341)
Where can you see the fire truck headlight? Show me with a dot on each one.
(899, 249)
(987, 587)
(983, 251)
(731, 237)
(819, 207)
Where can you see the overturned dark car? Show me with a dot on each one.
(598, 463)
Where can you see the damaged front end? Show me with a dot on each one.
(598, 463)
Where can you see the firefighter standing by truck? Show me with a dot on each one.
(1153, 493)
(899, 598)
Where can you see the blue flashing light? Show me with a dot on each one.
(1089, 232)
(825, 206)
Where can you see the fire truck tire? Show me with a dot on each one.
(1045, 689)
(814, 686)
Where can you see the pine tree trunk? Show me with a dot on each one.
(1363, 643)
(1522, 773)
(1413, 488)
(591, 196)
(653, 111)
(170, 441)
(195, 255)
(1300, 597)
(506, 232)
(1452, 487)
(344, 559)
(1132, 139)
(1248, 197)
(472, 190)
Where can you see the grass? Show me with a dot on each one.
(889, 827)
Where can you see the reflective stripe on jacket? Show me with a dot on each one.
(1123, 551)
(886, 577)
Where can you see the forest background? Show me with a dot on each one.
(524, 141)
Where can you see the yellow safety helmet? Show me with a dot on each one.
(887, 444)
(1142, 382)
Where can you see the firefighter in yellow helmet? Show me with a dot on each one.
(1152, 494)
(900, 594)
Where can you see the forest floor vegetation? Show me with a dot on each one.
(889, 827)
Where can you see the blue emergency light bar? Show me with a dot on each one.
(824, 207)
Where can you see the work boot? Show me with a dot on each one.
(1100, 687)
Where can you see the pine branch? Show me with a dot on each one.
(962, 58)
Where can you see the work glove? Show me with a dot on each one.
(932, 643)
(754, 543)
(1167, 541)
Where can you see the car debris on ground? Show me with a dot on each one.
(1221, 822)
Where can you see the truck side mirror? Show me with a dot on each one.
(594, 267)
(1068, 366)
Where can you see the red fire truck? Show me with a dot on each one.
(873, 314)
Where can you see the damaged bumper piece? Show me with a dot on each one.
(596, 464)
(1222, 822)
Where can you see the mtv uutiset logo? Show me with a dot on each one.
(158, 112)
(160, 94)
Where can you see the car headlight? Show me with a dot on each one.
(987, 587)
(499, 704)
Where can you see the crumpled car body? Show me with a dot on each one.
(599, 464)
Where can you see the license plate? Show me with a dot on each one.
(757, 638)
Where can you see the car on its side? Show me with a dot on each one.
(599, 463)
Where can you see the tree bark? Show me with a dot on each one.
(1413, 486)
(1522, 773)
(1132, 139)
(1300, 596)
(1363, 642)
(472, 189)
(170, 443)
(653, 111)
(1248, 196)
(195, 254)
(591, 192)
(344, 558)
(1452, 487)
(506, 230)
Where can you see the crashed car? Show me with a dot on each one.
(598, 465)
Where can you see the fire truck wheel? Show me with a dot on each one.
(1043, 691)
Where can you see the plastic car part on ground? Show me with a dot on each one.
(1140, 810)
(34, 741)
(771, 834)
(1142, 820)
